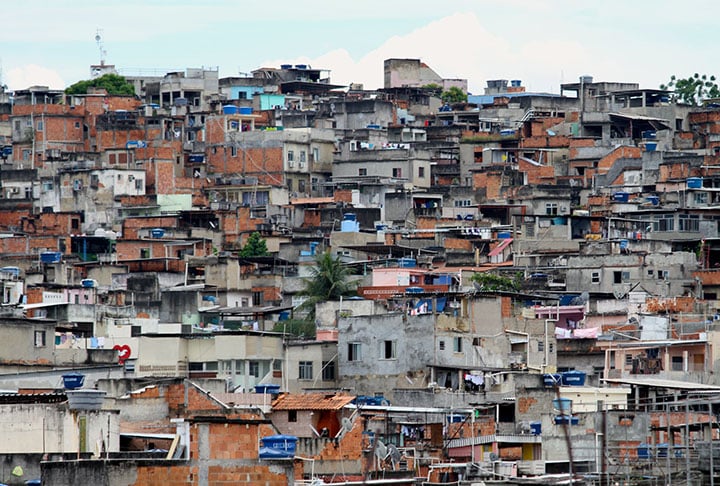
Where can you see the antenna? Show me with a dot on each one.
(98, 40)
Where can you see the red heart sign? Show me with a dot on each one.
(124, 352)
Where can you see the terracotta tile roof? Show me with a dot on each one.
(311, 401)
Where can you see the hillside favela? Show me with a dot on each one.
(273, 279)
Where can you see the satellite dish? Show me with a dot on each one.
(394, 454)
(381, 450)
(493, 457)
(618, 294)
(346, 424)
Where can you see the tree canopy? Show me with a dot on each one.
(492, 282)
(254, 246)
(693, 89)
(453, 95)
(112, 83)
(328, 281)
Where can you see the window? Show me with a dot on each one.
(457, 345)
(39, 125)
(77, 124)
(39, 339)
(441, 345)
(354, 351)
(541, 346)
(290, 155)
(689, 222)
(292, 415)
(254, 369)
(362, 172)
(397, 172)
(617, 277)
(47, 186)
(551, 208)
(305, 370)
(316, 154)
(677, 363)
(421, 172)
(595, 277)
(328, 370)
(628, 360)
(139, 184)
(233, 151)
(662, 274)
(387, 350)
(302, 156)
(700, 198)
(301, 186)
(144, 252)
(290, 185)
(258, 298)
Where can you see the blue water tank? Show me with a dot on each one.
(566, 419)
(694, 182)
(300, 66)
(349, 217)
(245, 110)
(536, 428)
(230, 109)
(278, 447)
(285, 66)
(407, 262)
(621, 197)
(72, 381)
(563, 405)
(268, 388)
(551, 379)
(157, 233)
(50, 256)
(88, 283)
(515, 83)
(504, 235)
(650, 146)
(573, 378)
(654, 200)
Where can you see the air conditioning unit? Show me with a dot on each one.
(291, 164)
(301, 165)
(14, 190)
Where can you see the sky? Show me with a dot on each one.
(541, 42)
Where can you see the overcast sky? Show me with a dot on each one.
(541, 42)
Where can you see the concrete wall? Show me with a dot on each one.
(413, 338)
(38, 428)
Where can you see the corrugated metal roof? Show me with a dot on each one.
(660, 383)
(311, 401)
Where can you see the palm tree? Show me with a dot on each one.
(329, 281)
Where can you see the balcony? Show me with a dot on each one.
(384, 292)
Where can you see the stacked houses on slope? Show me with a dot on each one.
(537, 281)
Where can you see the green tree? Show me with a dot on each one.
(434, 87)
(693, 89)
(328, 281)
(453, 95)
(254, 246)
(112, 83)
(492, 282)
(296, 327)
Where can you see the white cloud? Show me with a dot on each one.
(23, 77)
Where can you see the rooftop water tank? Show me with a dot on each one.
(278, 447)
(230, 109)
(573, 378)
(50, 256)
(694, 182)
(72, 381)
(85, 399)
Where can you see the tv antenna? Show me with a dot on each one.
(98, 40)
